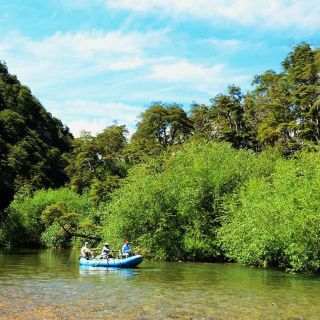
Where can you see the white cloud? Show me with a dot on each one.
(204, 78)
(79, 4)
(226, 44)
(184, 71)
(93, 116)
(63, 57)
(227, 47)
(86, 45)
(92, 126)
(82, 77)
(297, 14)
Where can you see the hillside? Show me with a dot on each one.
(32, 141)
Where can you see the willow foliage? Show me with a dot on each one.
(172, 207)
(25, 211)
(275, 221)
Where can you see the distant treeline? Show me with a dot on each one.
(234, 180)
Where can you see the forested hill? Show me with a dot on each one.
(31, 141)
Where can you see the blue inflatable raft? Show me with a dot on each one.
(129, 262)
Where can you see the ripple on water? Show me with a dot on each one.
(48, 284)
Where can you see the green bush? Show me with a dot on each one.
(26, 211)
(276, 221)
(171, 207)
(53, 236)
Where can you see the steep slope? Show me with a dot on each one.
(32, 141)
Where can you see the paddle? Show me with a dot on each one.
(98, 263)
(106, 258)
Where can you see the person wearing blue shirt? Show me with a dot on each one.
(126, 249)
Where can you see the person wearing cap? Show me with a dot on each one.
(106, 251)
(126, 249)
(85, 251)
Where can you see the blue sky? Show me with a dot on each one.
(94, 62)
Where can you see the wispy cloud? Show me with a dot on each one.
(226, 44)
(90, 79)
(231, 45)
(205, 78)
(67, 70)
(79, 4)
(94, 116)
(66, 56)
(80, 74)
(297, 14)
(112, 56)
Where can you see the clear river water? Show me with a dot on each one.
(48, 284)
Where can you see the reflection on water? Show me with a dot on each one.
(107, 272)
(49, 284)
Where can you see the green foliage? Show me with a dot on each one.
(228, 118)
(97, 163)
(160, 126)
(71, 224)
(31, 141)
(171, 206)
(285, 106)
(282, 111)
(30, 221)
(194, 190)
(202, 121)
(54, 236)
(274, 221)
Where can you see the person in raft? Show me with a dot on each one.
(85, 251)
(106, 251)
(126, 249)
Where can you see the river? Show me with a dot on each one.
(48, 284)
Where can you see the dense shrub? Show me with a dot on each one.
(172, 208)
(25, 211)
(276, 221)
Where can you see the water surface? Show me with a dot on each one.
(49, 284)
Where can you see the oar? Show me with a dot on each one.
(107, 258)
(101, 261)
(98, 263)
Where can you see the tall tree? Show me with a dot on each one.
(202, 121)
(160, 126)
(228, 118)
(284, 107)
(301, 68)
(111, 143)
(272, 112)
(97, 163)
